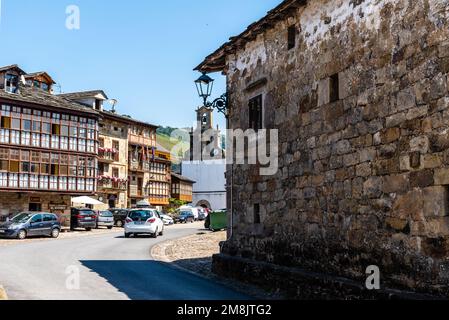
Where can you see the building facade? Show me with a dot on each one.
(48, 146)
(113, 161)
(131, 169)
(181, 188)
(358, 91)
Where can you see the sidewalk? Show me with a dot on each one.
(194, 254)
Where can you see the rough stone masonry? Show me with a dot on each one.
(364, 171)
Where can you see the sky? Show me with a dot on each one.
(140, 52)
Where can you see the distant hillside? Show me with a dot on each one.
(165, 141)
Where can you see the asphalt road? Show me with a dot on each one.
(110, 267)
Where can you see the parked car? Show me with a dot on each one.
(185, 216)
(144, 221)
(83, 218)
(105, 219)
(166, 219)
(29, 224)
(119, 216)
(202, 214)
(192, 210)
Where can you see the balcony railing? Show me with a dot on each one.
(108, 156)
(110, 185)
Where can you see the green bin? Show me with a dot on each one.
(218, 220)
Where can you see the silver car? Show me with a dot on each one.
(105, 219)
(144, 222)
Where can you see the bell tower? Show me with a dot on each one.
(205, 118)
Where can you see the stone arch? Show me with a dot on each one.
(204, 203)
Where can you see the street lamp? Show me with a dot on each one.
(204, 86)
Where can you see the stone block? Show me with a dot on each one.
(372, 188)
(409, 206)
(436, 201)
(420, 144)
(441, 177)
(390, 135)
(421, 179)
(398, 183)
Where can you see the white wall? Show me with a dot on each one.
(210, 181)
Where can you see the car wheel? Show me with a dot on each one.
(119, 223)
(162, 232)
(127, 235)
(22, 235)
(156, 234)
(88, 229)
(110, 228)
(55, 233)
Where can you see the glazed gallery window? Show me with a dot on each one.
(44, 170)
(22, 126)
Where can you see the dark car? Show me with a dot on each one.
(83, 218)
(29, 224)
(119, 216)
(185, 217)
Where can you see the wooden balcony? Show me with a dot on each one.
(110, 185)
(134, 192)
(140, 140)
(107, 157)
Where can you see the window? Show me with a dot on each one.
(65, 131)
(26, 125)
(257, 214)
(72, 184)
(13, 180)
(45, 142)
(46, 127)
(15, 124)
(43, 182)
(4, 136)
(53, 183)
(6, 122)
(15, 137)
(55, 142)
(291, 37)
(36, 126)
(36, 140)
(45, 86)
(24, 181)
(26, 138)
(11, 83)
(64, 143)
(62, 183)
(56, 129)
(255, 113)
(334, 88)
(34, 181)
(73, 144)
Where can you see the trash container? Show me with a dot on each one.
(218, 220)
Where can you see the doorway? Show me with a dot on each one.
(35, 207)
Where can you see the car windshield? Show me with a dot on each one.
(106, 214)
(21, 218)
(85, 212)
(186, 213)
(141, 215)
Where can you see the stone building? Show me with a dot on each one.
(48, 146)
(358, 90)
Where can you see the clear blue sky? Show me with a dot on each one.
(141, 52)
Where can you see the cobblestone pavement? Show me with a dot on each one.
(194, 254)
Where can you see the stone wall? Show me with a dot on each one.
(362, 180)
(13, 203)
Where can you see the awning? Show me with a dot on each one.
(86, 200)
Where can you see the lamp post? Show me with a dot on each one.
(204, 86)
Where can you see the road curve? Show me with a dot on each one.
(110, 267)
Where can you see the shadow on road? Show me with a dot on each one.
(152, 280)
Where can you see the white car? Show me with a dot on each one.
(167, 220)
(144, 222)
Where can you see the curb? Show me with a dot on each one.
(243, 288)
(3, 295)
